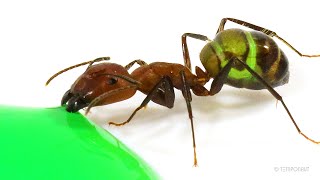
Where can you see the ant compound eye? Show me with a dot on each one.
(112, 81)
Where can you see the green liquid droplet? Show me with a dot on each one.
(50, 143)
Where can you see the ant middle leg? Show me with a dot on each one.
(163, 92)
(261, 29)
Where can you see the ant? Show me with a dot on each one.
(239, 58)
(107, 83)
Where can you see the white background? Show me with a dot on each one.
(239, 133)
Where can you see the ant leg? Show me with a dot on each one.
(187, 96)
(217, 82)
(108, 93)
(164, 84)
(222, 76)
(77, 65)
(261, 29)
(277, 96)
(138, 61)
(185, 49)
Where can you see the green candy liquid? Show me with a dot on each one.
(50, 143)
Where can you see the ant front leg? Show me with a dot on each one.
(163, 91)
(261, 29)
(138, 61)
(185, 49)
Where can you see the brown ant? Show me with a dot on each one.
(107, 83)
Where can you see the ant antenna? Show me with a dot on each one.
(77, 65)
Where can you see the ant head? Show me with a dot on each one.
(100, 84)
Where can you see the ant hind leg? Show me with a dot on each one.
(277, 96)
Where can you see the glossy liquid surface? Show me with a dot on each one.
(50, 143)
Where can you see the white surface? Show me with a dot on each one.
(239, 133)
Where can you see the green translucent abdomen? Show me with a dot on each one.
(256, 49)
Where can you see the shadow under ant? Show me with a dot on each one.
(237, 101)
